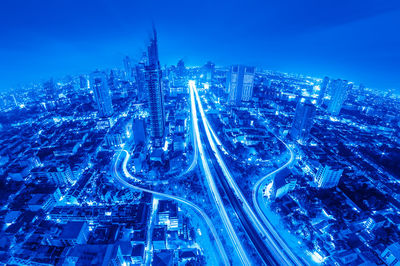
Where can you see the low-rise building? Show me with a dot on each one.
(159, 238)
(391, 255)
(72, 233)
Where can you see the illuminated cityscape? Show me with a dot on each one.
(160, 161)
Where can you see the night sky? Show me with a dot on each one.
(354, 40)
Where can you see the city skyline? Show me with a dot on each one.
(150, 162)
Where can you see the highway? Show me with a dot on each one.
(272, 249)
(237, 206)
(278, 252)
(216, 197)
(150, 227)
(259, 204)
(117, 177)
(194, 142)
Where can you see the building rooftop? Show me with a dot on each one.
(71, 230)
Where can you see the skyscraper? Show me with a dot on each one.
(83, 82)
(102, 95)
(303, 120)
(128, 67)
(180, 68)
(112, 84)
(328, 175)
(339, 91)
(140, 81)
(240, 82)
(153, 84)
(322, 91)
(209, 70)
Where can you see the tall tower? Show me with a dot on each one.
(209, 70)
(111, 81)
(322, 91)
(102, 95)
(83, 82)
(140, 81)
(153, 84)
(240, 82)
(303, 120)
(128, 67)
(339, 91)
(181, 69)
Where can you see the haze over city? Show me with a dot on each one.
(355, 40)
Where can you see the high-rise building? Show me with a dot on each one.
(83, 82)
(102, 95)
(322, 91)
(112, 82)
(140, 81)
(303, 119)
(328, 175)
(153, 84)
(180, 68)
(240, 82)
(128, 67)
(339, 91)
(209, 70)
(283, 183)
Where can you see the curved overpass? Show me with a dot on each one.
(282, 254)
(123, 182)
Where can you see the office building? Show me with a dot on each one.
(303, 120)
(284, 182)
(112, 82)
(58, 174)
(153, 77)
(328, 175)
(322, 91)
(128, 68)
(391, 255)
(72, 233)
(289, 186)
(339, 91)
(159, 237)
(140, 82)
(83, 82)
(209, 70)
(102, 95)
(240, 82)
(181, 69)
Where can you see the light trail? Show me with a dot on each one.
(149, 247)
(238, 193)
(213, 188)
(123, 182)
(257, 196)
(196, 150)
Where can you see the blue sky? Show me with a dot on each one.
(354, 40)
